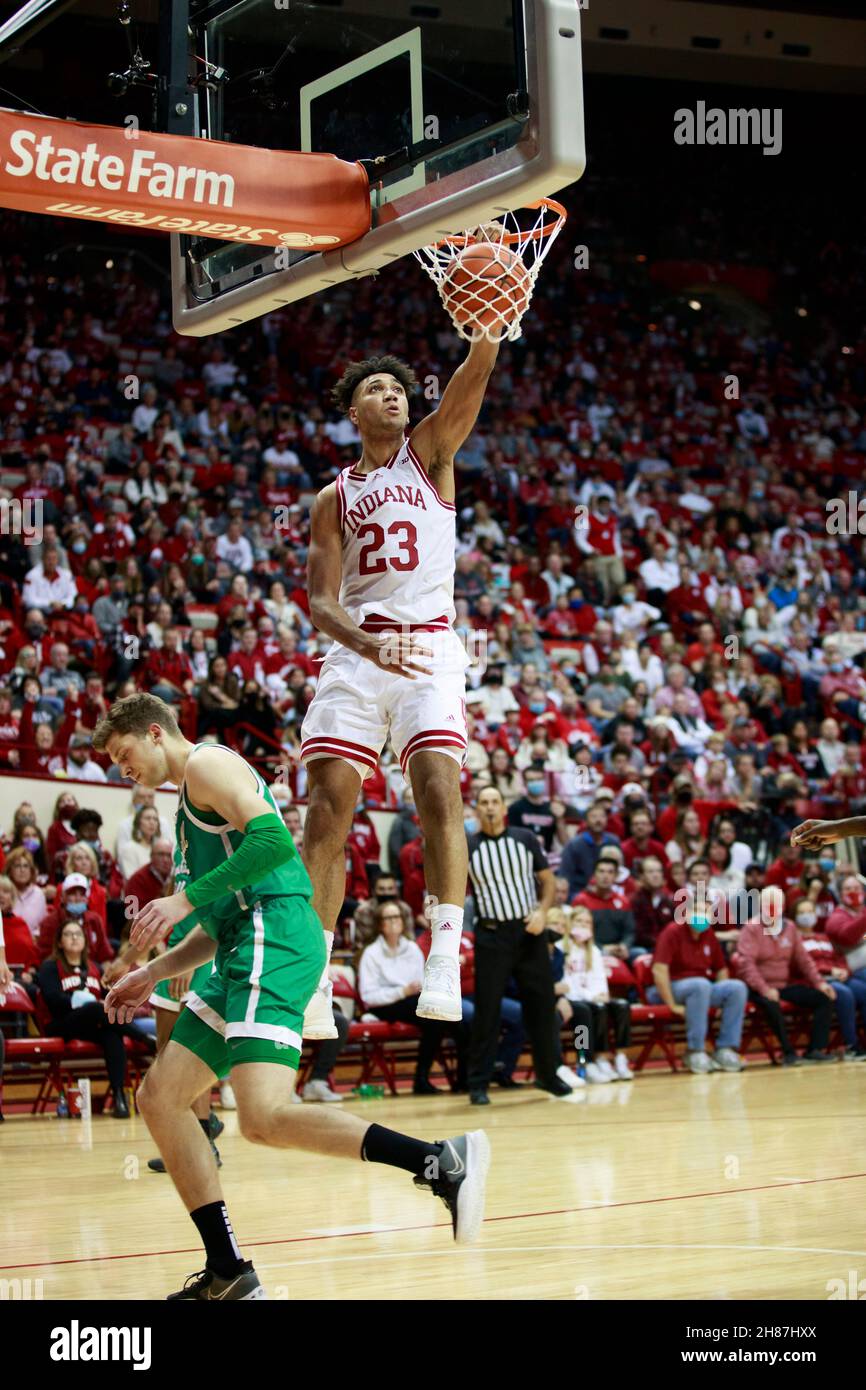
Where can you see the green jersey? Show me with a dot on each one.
(204, 841)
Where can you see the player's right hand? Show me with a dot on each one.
(179, 986)
(401, 654)
(812, 834)
(128, 995)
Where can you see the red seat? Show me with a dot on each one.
(16, 1000)
(41, 1057)
(657, 1019)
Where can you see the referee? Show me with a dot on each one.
(507, 867)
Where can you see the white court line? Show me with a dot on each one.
(535, 1249)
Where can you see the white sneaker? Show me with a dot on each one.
(699, 1062)
(606, 1069)
(227, 1096)
(320, 1090)
(728, 1059)
(319, 1014)
(440, 998)
(595, 1076)
(296, 1099)
(622, 1068)
(570, 1077)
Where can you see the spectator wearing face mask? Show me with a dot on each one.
(690, 976)
(27, 835)
(73, 907)
(850, 992)
(584, 1001)
(846, 926)
(546, 819)
(814, 889)
(771, 959)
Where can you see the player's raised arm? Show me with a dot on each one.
(324, 574)
(812, 834)
(439, 435)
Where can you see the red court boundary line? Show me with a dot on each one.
(437, 1225)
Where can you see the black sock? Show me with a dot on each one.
(205, 1124)
(382, 1145)
(221, 1248)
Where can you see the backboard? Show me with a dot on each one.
(458, 108)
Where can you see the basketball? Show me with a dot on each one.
(485, 284)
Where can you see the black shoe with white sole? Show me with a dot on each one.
(206, 1286)
(156, 1165)
(461, 1182)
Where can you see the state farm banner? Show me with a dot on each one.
(177, 183)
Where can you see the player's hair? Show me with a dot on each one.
(358, 371)
(134, 714)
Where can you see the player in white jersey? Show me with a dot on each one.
(381, 584)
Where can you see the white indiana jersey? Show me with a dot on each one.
(399, 540)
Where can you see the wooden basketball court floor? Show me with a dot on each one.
(747, 1185)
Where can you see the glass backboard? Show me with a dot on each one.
(456, 109)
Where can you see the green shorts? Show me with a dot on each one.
(161, 999)
(251, 1008)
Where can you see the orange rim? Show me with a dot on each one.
(461, 239)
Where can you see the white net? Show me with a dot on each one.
(486, 276)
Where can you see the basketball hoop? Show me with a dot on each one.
(486, 275)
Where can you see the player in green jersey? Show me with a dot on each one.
(251, 894)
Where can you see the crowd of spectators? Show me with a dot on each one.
(667, 633)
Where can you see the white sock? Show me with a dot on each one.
(329, 946)
(446, 923)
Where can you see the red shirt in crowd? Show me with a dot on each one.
(631, 851)
(688, 956)
(98, 946)
(145, 885)
(785, 876)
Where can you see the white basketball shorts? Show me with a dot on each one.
(357, 705)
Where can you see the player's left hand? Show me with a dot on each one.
(154, 922)
(128, 995)
(812, 834)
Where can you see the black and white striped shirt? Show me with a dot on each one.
(503, 869)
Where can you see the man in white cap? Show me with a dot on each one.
(74, 892)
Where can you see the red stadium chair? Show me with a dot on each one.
(656, 1020)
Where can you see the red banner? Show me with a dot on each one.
(177, 183)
